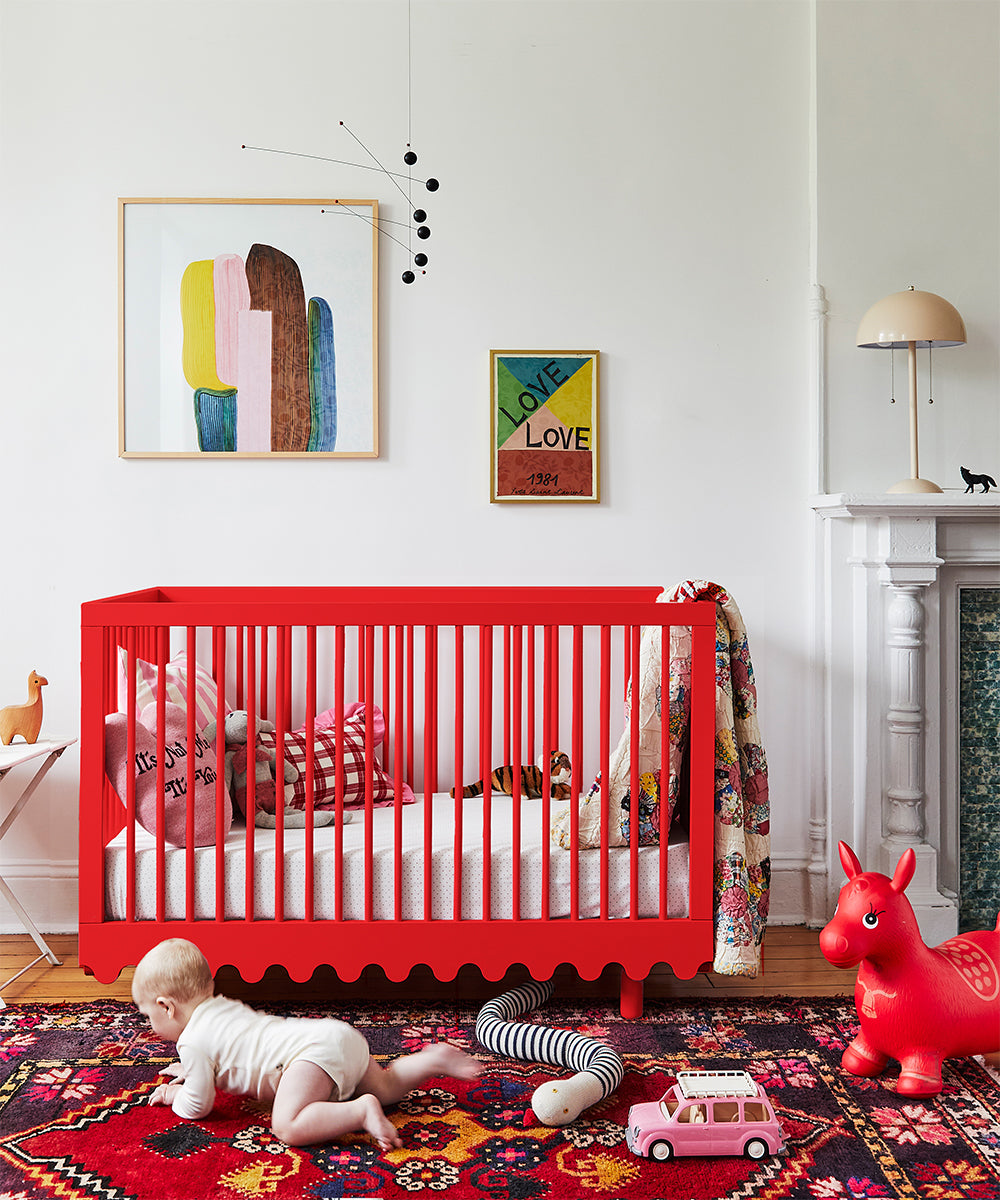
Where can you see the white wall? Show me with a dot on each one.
(631, 177)
(909, 191)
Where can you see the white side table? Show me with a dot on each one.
(43, 754)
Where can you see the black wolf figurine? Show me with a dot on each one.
(986, 480)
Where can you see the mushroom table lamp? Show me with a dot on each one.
(905, 321)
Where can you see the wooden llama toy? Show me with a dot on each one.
(24, 719)
(915, 1003)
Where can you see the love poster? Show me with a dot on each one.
(544, 425)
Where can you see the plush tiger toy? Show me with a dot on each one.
(502, 779)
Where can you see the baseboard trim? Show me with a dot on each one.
(791, 892)
(48, 891)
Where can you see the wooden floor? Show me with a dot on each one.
(793, 966)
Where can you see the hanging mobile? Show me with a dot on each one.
(419, 216)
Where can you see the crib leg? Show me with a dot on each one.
(631, 997)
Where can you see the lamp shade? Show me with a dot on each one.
(911, 316)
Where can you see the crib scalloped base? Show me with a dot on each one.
(443, 946)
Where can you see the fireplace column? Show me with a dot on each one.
(909, 566)
(903, 805)
(908, 571)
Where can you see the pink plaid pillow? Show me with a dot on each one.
(324, 767)
(177, 683)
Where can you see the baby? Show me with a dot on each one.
(316, 1073)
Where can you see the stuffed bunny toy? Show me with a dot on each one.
(265, 764)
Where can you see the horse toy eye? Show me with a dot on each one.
(870, 920)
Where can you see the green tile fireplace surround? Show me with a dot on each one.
(979, 757)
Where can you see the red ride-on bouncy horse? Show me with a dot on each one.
(915, 1003)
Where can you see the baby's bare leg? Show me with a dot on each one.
(303, 1113)
(390, 1084)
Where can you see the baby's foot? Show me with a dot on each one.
(376, 1123)
(442, 1058)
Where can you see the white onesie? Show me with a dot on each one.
(228, 1045)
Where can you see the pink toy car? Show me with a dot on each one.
(706, 1112)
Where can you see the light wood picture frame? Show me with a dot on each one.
(544, 434)
(248, 328)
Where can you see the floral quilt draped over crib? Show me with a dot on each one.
(742, 879)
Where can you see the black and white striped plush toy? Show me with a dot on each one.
(598, 1068)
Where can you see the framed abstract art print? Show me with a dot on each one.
(248, 328)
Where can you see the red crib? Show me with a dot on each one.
(465, 679)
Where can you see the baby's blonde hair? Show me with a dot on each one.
(175, 968)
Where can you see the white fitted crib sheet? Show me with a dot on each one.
(534, 842)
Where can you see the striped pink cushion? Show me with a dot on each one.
(324, 768)
(177, 686)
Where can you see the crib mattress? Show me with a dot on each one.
(534, 843)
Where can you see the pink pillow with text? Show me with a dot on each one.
(175, 776)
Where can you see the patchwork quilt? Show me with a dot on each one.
(742, 874)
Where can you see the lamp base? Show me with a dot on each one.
(914, 485)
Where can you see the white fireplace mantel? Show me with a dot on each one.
(890, 570)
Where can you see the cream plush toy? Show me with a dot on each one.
(599, 1069)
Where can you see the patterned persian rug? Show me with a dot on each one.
(74, 1121)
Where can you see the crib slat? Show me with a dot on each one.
(530, 638)
(434, 711)
(221, 797)
(191, 767)
(162, 646)
(217, 632)
(264, 671)
(507, 715)
(310, 784)
(516, 799)
(130, 778)
(702, 760)
(552, 689)
(635, 814)
(576, 776)
(427, 785)
(626, 662)
(240, 682)
(548, 737)
(457, 871)
(410, 710)
(605, 759)
(280, 712)
(112, 806)
(369, 693)
(486, 756)
(397, 781)
(113, 809)
(251, 785)
(288, 678)
(664, 837)
(338, 742)
(387, 702)
(99, 672)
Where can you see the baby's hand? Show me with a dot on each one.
(175, 1071)
(165, 1093)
